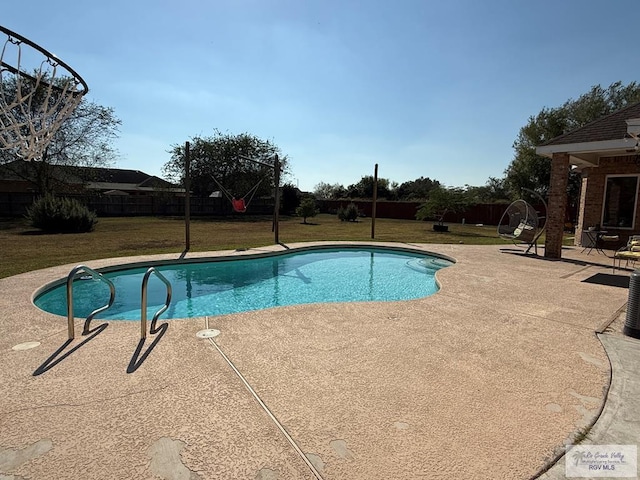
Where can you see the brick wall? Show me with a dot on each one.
(592, 194)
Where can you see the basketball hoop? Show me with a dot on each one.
(33, 104)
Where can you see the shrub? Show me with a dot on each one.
(349, 213)
(61, 215)
(307, 208)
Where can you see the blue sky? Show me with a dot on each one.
(437, 89)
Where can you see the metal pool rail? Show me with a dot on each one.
(96, 276)
(143, 307)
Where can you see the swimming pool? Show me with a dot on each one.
(239, 284)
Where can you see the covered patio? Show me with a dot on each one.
(607, 154)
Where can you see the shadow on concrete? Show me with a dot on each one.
(139, 356)
(60, 354)
(573, 261)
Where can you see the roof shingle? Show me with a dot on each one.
(609, 127)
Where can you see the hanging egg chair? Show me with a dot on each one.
(519, 223)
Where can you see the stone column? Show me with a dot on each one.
(557, 206)
(582, 208)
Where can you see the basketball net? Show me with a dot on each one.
(33, 103)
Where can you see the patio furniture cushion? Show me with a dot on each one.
(628, 255)
(630, 252)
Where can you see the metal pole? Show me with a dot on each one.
(375, 198)
(187, 197)
(276, 211)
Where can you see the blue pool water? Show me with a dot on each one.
(244, 284)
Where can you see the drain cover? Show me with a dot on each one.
(208, 333)
(25, 346)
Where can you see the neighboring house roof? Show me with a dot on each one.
(112, 175)
(606, 136)
(119, 193)
(95, 178)
(15, 170)
(118, 176)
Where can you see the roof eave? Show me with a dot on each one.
(586, 154)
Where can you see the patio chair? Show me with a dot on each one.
(630, 252)
(609, 239)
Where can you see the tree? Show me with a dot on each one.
(527, 169)
(531, 171)
(326, 191)
(417, 189)
(494, 191)
(364, 188)
(307, 208)
(289, 198)
(442, 201)
(220, 156)
(84, 139)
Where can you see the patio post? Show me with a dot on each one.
(557, 205)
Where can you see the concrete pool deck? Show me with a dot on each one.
(486, 379)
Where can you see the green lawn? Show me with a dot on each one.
(24, 249)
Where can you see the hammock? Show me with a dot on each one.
(239, 204)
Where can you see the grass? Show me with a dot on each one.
(22, 248)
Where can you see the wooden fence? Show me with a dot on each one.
(16, 204)
(488, 214)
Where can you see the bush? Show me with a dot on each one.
(61, 215)
(348, 214)
(307, 208)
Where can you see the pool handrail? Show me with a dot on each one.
(94, 275)
(143, 306)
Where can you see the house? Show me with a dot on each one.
(607, 154)
(21, 176)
